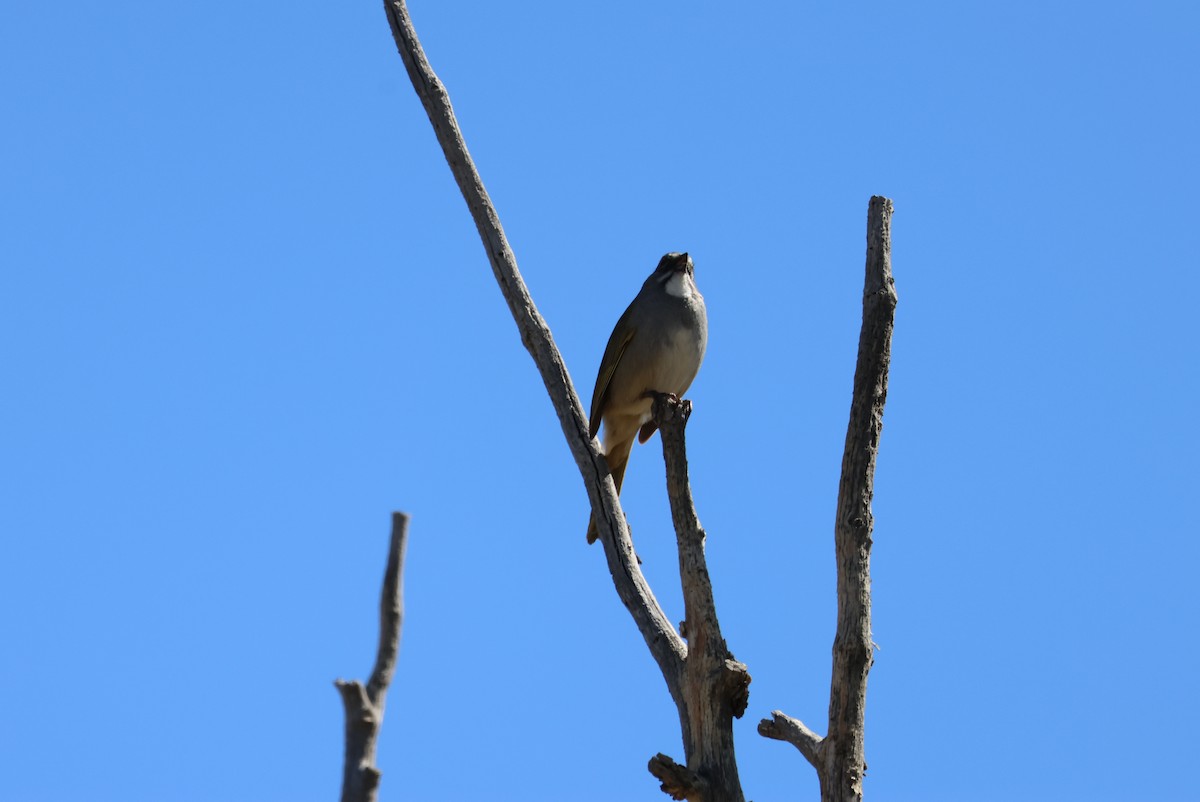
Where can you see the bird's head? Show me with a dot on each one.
(674, 263)
(674, 274)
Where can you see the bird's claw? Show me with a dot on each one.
(655, 395)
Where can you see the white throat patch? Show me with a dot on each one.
(679, 286)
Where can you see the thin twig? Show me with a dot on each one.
(365, 705)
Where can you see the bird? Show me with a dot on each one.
(656, 347)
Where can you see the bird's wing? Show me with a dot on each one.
(617, 343)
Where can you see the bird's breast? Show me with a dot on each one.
(682, 351)
(664, 356)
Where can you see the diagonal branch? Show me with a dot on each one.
(365, 705)
(785, 728)
(664, 643)
(678, 782)
(841, 761)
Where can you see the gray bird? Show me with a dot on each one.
(657, 346)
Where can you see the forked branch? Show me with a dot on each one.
(708, 686)
(839, 756)
(364, 705)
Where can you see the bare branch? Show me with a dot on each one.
(842, 763)
(852, 645)
(365, 705)
(663, 641)
(678, 782)
(707, 684)
(785, 728)
(391, 613)
(715, 686)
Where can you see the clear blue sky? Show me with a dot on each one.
(245, 315)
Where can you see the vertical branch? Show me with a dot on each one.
(715, 686)
(839, 756)
(852, 645)
(365, 705)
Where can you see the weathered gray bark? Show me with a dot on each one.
(707, 732)
(664, 643)
(839, 756)
(364, 705)
(714, 686)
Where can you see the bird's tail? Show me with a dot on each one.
(617, 458)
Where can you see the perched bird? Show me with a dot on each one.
(656, 347)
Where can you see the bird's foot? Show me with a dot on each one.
(664, 407)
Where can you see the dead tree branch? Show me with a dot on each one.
(708, 686)
(677, 782)
(364, 705)
(706, 722)
(785, 728)
(715, 687)
(664, 643)
(839, 756)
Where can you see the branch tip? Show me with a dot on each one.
(364, 703)
(678, 782)
(785, 728)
